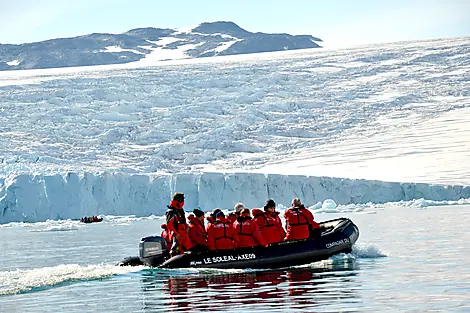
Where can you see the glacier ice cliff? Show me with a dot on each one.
(33, 198)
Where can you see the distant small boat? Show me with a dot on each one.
(92, 219)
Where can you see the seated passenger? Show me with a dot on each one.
(248, 231)
(299, 221)
(166, 235)
(221, 234)
(234, 215)
(211, 218)
(270, 208)
(197, 232)
(269, 227)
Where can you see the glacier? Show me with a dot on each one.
(373, 124)
(34, 198)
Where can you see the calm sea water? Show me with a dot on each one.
(406, 259)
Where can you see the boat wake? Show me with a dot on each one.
(38, 279)
(32, 280)
(346, 261)
(364, 251)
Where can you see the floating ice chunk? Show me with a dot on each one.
(65, 227)
(316, 206)
(329, 204)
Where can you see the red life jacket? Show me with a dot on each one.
(249, 233)
(299, 221)
(275, 215)
(197, 233)
(221, 235)
(269, 226)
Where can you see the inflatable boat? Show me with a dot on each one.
(337, 236)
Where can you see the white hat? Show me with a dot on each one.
(238, 207)
(296, 201)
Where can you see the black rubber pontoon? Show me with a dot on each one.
(337, 236)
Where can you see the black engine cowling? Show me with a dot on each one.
(153, 250)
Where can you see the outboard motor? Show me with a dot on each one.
(153, 250)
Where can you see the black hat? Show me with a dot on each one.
(214, 212)
(178, 196)
(269, 204)
(198, 213)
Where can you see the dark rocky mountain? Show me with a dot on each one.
(205, 40)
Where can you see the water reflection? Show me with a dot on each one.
(299, 289)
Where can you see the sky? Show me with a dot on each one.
(337, 22)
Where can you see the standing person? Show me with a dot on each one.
(299, 221)
(248, 231)
(176, 223)
(221, 234)
(197, 232)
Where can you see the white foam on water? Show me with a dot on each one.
(21, 281)
(367, 251)
(64, 227)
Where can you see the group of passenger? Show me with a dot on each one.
(239, 229)
(91, 219)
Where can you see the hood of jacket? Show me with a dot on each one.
(193, 219)
(256, 212)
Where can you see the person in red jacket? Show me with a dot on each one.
(211, 218)
(248, 231)
(299, 221)
(221, 234)
(176, 223)
(270, 209)
(166, 235)
(197, 232)
(269, 227)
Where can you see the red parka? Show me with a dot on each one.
(176, 223)
(299, 222)
(270, 227)
(166, 235)
(210, 221)
(197, 233)
(275, 215)
(221, 235)
(248, 232)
